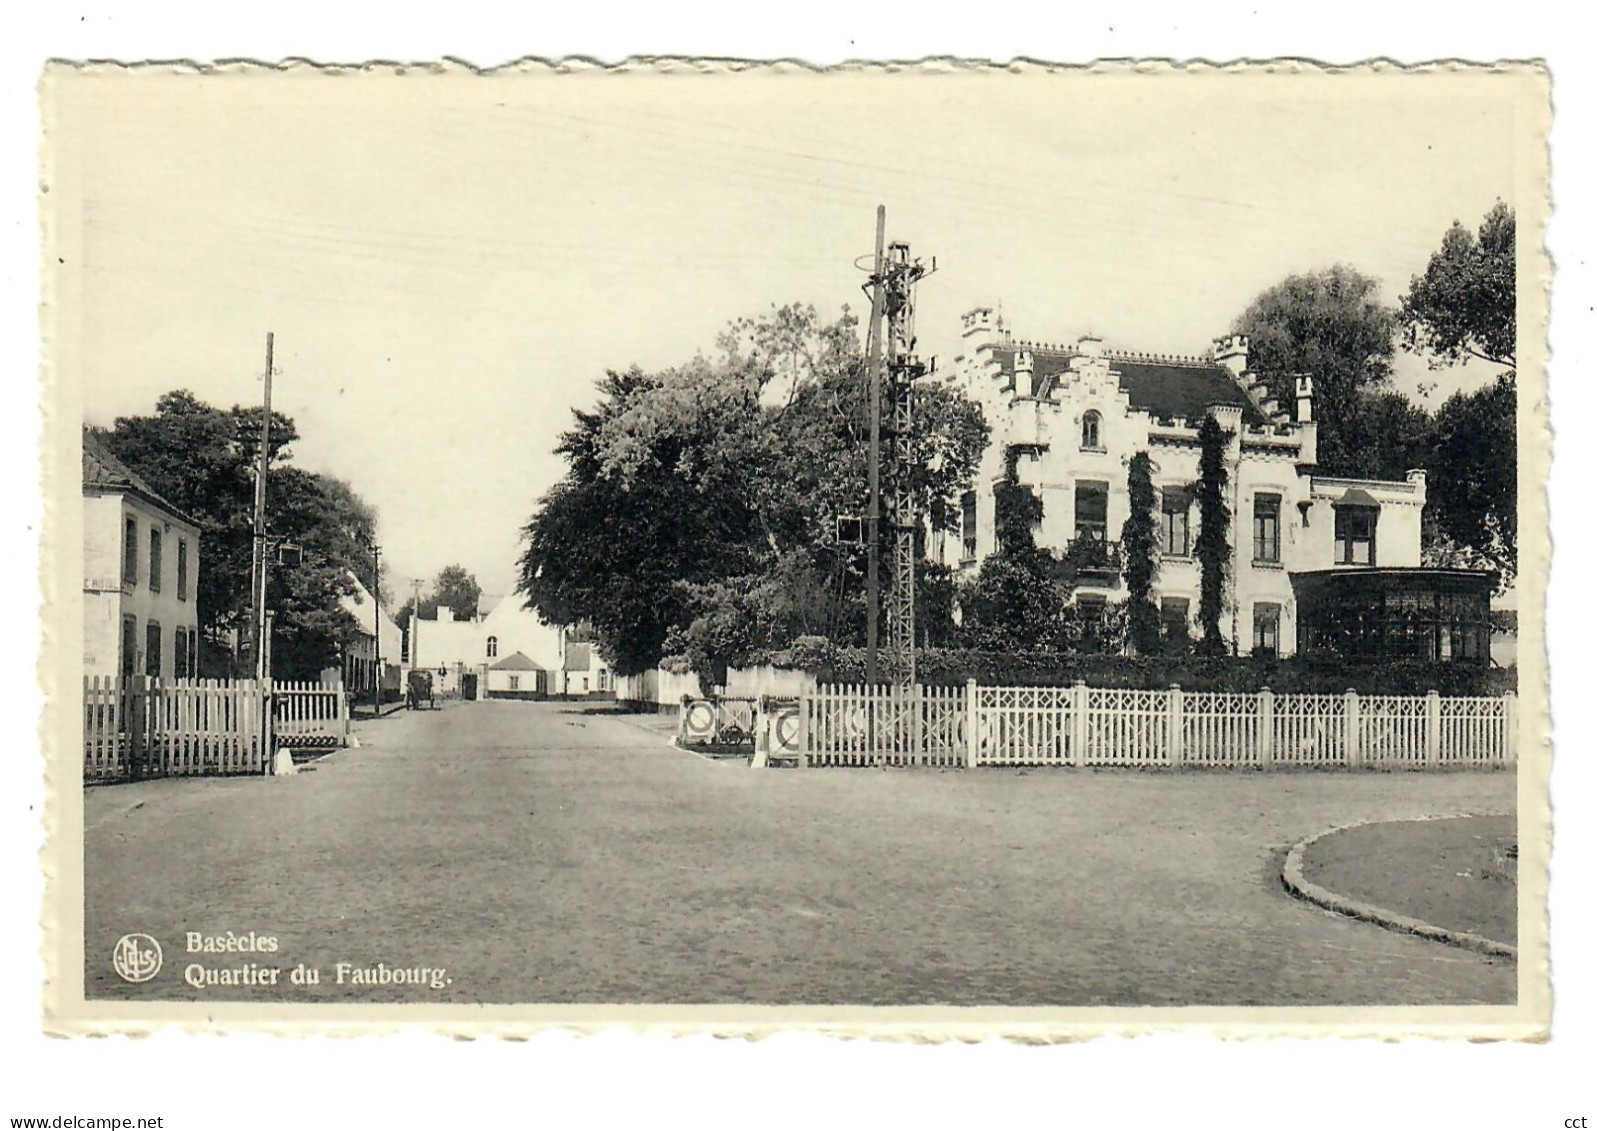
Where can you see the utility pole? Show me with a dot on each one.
(377, 630)
(258, 623)
(874, 510)
(415, 618)
(904, 368)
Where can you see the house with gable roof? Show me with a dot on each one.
(141, 570)
(1319, 562)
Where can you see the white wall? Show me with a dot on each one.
(107, 599)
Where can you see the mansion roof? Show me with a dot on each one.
(1163, 387)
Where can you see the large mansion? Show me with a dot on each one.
(1318, 563)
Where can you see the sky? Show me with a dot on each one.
(449, 261)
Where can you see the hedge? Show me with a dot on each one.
(1296, 675)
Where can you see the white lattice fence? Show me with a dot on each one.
(1310, 730)
(1475, 732)
(1392, 731)
(942, 725)
(1126, 728)
(1081, 726)
(1219, 728)
(1023, 726)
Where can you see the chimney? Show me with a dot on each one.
(1090, 345)
(446, 615)
(979, 323)
(1305, 386)
(1231, 351)
(1229, 417)
(1416, 476)
(1025, 378)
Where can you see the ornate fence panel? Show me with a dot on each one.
(841, 725)
(941, 722)
(1476, 732)
(780, 731)
(1310, 730)
(1220, 728)
(1126, 728)
(719, 724)
(1080, 726)
(1023, 726)
(1392, 731)
(859, 725)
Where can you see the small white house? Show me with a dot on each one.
(517, 677)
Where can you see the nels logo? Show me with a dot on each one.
(137, 958)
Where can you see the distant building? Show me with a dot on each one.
(1319, 563)
(360, 651)
(584, 674)
(450, 648)
(517, 677)
(141, 571)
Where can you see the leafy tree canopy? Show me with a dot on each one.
(728, 475)
(203, 459)
(1331, 325)
(1473, 485)
(455, 588)
(1463, 306)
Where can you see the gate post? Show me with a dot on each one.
(1173, 720)
(1433, 729)
(806, 701)
(136, 715)
(1350, 741)
(268, 734)
(1078, 723)
(972, 727)
(1510, 729)
(1266, 729)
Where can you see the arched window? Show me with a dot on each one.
(493, 647)
(1091, 426)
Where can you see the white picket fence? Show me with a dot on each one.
(138, 727)
(853, 725)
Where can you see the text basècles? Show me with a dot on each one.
(229, 943)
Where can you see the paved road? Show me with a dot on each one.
(541, 854)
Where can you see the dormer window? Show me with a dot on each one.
(1355, 535)
(1092, 432)
(1356, 515)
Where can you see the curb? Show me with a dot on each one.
(1303, 888)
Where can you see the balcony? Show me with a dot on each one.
(1094, 561)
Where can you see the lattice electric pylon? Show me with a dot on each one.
(904, 367)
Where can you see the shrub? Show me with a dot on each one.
(1318, 676)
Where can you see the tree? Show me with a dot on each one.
(1474, 478)
(1391, 433)
(457, 589)
(1213, 545)
(1016, 598)
(728, 476)
(203, 460)
(1463, 306)
(1331, 325)
(1139, 538)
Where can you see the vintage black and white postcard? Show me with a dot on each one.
(932, 549)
